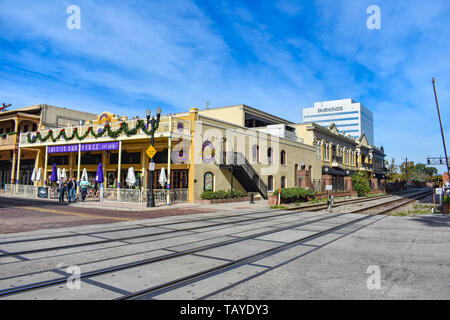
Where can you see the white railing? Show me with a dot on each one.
(136, 196)
(140, 196)
(179, 127)
(7, 140)
(22, 190)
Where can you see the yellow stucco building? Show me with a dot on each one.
(225, 148)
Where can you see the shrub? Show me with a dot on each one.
(221, 194)
(295, 194)
(446, 200)
(360, 184)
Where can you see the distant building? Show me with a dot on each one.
(350, 117)
(30, 119)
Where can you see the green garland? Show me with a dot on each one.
(107, 129)
(8, 134)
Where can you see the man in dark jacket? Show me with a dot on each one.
(72, 187)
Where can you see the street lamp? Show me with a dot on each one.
(152, 124)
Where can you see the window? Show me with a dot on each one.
(270, 155)
(208, 182)
(34, 127)
(25, 128)
(270, 183)
(58, 160)
(89, 158)
(283, 182)
(283, 158)
(255, 154)
(127, 158)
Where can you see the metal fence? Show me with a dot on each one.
(138, 196)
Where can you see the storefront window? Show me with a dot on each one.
(127, 158)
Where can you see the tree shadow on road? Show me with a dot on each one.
(434, 221)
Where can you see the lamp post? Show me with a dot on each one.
(152, 124)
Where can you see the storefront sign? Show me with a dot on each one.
(332, 109)
(42, 192)
(102, 146)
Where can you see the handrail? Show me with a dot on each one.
(239, 159)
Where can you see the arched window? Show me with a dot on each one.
(270, 183)
(283, 182)
(208, 182)
(283, 158)
(270, 155)
(255, 153)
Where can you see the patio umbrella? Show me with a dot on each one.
(99, 176)
(38, 175)
(58, 174)
(84, 175)
(162, 177)
(33, 175)
(54, 176)
(131, 178)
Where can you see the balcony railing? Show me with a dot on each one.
(7, 140)
(180, 128)
(337, 160)
(366, 166)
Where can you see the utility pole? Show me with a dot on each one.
(440, 123)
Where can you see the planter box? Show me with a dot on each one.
(446, 208)
(272, 200)
(211, 201)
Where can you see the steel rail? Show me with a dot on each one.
(257, 256)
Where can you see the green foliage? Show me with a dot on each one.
(360, 184)
(277, 207)
(446, 200)
(289, 195)
(222, 194)
(106, 130)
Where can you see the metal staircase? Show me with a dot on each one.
(244, 173)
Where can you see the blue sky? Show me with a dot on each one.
(278, 56)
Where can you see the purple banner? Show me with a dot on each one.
(102, 146)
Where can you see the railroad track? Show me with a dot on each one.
(170, 232)
(194, 277)
(315, 207)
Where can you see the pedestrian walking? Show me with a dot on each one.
(72, 187)
(84, 184)
(62, 187)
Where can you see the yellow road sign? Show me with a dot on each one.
(151, 151)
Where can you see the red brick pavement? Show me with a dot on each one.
(19, 215)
